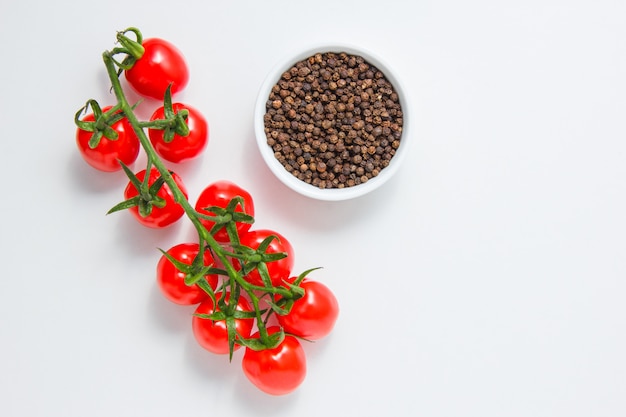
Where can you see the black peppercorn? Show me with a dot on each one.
(333, 120)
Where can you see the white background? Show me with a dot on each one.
(486, 279)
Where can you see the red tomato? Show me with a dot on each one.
(159, 217)
(213, 335)
(313, 316)
(219, 194)
(277, 371)
(278, 270)
(162, 64)
(171, 280)
(181, 148)
(104, 157)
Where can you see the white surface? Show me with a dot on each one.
(486, 279)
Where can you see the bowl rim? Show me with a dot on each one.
(287, 178)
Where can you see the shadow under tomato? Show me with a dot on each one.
(171, 317)
(140, 240)
(210, 366)
(90, 180)
(259, 403)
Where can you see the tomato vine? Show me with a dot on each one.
(232, 256)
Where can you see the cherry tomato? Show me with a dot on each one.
(276, 371)
(219, 194)
(181, 148)
(279, 270)
(213, 335)
(162, 64)
(313, 316)
(104, 157)
(171, 280)
(159, 217)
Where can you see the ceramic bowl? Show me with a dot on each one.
(300, 186)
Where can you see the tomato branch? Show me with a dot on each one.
(248, 259)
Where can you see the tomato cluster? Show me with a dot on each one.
(239, 278)
(312, 316)
(179, 132)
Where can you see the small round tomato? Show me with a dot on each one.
(163, 216)
(276, 371)
(105, 156)
(279, 270)
(213, 335)
(162, 64)
(219, 194)
(313, 316)
(171, 280)
(181, 148)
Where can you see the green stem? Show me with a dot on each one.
(263, 334)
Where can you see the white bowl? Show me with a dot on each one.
(300, 186)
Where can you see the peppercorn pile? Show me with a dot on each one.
(333, 120)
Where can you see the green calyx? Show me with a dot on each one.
(132, 49)
(176, 122)
(228, 217)
(101, 126)
(173, 122)
(270, 342)
(148, 193)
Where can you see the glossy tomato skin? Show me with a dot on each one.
(104, 157)
(313, 316)
(162, 64)
(278, 270)
(171, 280)
(213, 335)
(219, 194)
(159, 217)
(181, 148)
(277, 371)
